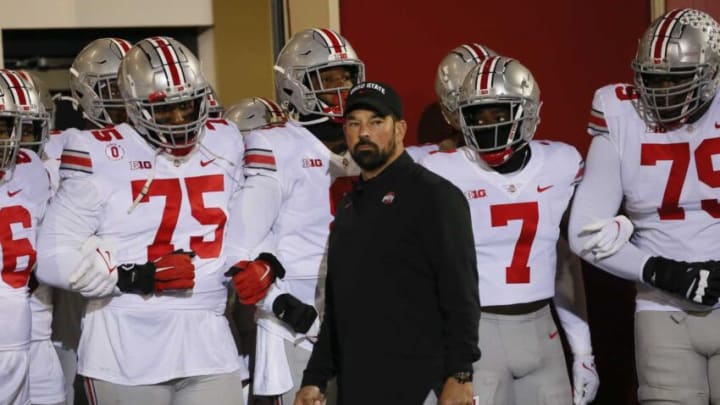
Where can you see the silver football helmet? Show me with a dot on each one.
(93, 81)
(35, 126)
(19, 101)
(166, 93)
(298, 82)
(254, 113)
(450, 76)
(505, 85)
(676, 66)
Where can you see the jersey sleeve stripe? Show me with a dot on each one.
(76, 160)
(256, 158)
(597, 122)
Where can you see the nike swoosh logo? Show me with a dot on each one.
(543, 189)
(553, 335)
(12, 194)
(204, 163)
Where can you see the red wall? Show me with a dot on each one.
(571, 47)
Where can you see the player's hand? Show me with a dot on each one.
(456, 393)
(309, 395)
(96, 274)
(698, 282)
(297, 314)
(608, 236)
(585, 379)
(174, 271)
(253, 279)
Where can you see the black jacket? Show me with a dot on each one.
(402, 306)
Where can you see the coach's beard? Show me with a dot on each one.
(371, 159)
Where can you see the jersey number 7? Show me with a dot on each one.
(518, 272)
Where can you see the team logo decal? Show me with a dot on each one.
(388, 198)
(114, 151)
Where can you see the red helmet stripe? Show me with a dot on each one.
(272, 106)
(169, 59)
(662, 34)
(122, 44)
(486, 73)
(17, 88)
(479, 52)
(333, 40)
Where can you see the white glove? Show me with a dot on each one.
(610, 235)
(96, 276)
(585, 379)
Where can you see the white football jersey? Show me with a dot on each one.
(186, 207)
(670, 179)
(301, 164)
(52, 150)
(418, 152)
(23, 200)
(516, 217)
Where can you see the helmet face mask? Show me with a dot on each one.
(9, 146)
(93, 81)
(451, 73)
(166, 94)
(499, 108)
(676, 67)
(37, 121)
(314, 72)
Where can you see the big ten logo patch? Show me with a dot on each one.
(473, 194)
(114, 151)
(312, 163)
(140, 164)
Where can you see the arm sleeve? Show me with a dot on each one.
(599, 196)
(570, 300)
(71, 219)
(449, 238)
(252, 216)
(322, 365)
(254, 211)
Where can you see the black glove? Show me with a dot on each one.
(173, 271)
(298, 315)
(698, 281)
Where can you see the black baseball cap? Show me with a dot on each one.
(374, 96)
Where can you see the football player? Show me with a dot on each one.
(654, 152)
(289, 171)
(153, 196)
(24, 192)
(518, 190)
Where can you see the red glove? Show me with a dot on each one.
(253, 279)
(175, 272)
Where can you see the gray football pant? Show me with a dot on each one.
(218, 389)
(678, 357)
(522, 361)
